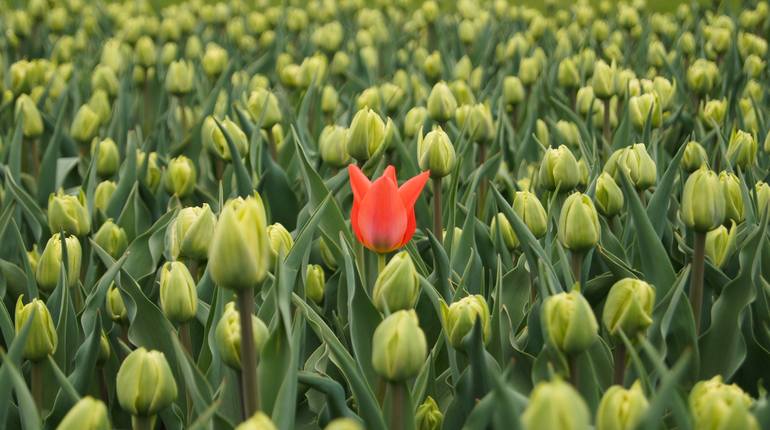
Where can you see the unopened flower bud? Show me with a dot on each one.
(542, 133)
(344, 423)
(713, 112)
(332, 144)
(280, 241)
(621, 408)
(477, 121)
(436, 153)
(569, 322)
(703, 205)
(636, 163)
(145, 384)
(228, 336)
(742, 149)
(441, 103)
(263, 107)
(41, 338)
(702, 76)
(629, 307)
(579, 228)
(49, 266)
(716, 405)
(559, 169)
(529, 70)
(68, 213)
(644, 107)
(33, 122)
(112, 238)
(569, 133)
(214, 139)
(87, 414)
(108, 160)
(315, 283)
(546, 410)
(397, 286)
(399, 347)
(145, 52)
(180, 176)
(85, 124)
(719, 244)
(214, 59)
(694, 157)
(609, 196)
(365, 135)
(189, 234)
(428, 415)
(567, 74)
(178, 296)
(734, 208)
(513, 90)
(528, 207)
(329, 99)
(258, 421)
(103, 194)
(459, 318)
(603, 80)
(501, 226)
(180, 77)
(116, 308)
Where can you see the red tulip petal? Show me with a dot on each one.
(359, 183)
(411, 226)
(411, 189)
(382, 217)
(354, 221)
(390, 173)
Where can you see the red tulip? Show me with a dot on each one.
(383, 213)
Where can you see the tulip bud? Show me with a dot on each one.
(559, 169)
(428, 415)
(144, 51)
(528, 207)
(240, 251)
(414, 120)
(365, 135)
(568, 75)
(586, 102)
(33, 122)
(258, 421)
(180, 176)
(436, 153)
(645, 106)
(716, 405)
(214, 59)
(441, 103)
(340, 63)
(629, 307)
(397, 286)
(609, 196)
(214, 139)
(329, 100)
(753, 66)
(621, 408)
(529, 70)
(513, 90)
(603, 80)
(569, 133)
(459, 318)
(694, 157)
(180, 77)
(392, 96)
(85, 124)
(579, 228)
(344, 423)
(145, 384)
(178, 296)
(719, 244)
(263, 107)
(546, 410)
(713, 112)
(109, 158)
(569, 322)
(189, 234)
(116, 308)
(733, 196)
(104, 350)
(100, 104)
(112, 238)
(228, 336)
(399, 347)
(742, 149)
(542, 133)
(315, 283)
(103, 193)
(68, 213)
(501, 226)
(87, 414)
(153, 176)
(49, 266)
(477, 121)
(636, 163)
(41, 338)
(702, 76)
(703, 204)
(332, 144)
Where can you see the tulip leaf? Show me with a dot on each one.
(9, 374)
(48, 167)
(659, 203)
(242, 178)
(128, 177)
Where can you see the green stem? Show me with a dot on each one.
(532, 288)
(574, 371)
(36, 382)
(696, 281)
(184, 337)
(607, 130)
(437, 225)
(398, 398)
(380, 263)
(250, 393)
(577, 265)
(271, 145)
(620, 364)
(140, 422)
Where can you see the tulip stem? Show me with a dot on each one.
(271, 145)
(577, 265)
(36, 383)
(184, 337)
(437, 225)
(696, 281)
(620, 364)
(398, 403)
(250, 392)
(574, 371)
(141, 422)
(380, 263)
(607, 130)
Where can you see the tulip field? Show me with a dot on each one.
(349, 214)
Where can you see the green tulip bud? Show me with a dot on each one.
(169, 53)
(694, 157)
(734, 207)
(569, 133)
(214, 59)
(49, 266)
(621, 409)
(441, 103)
(414, 120)
(33, 122)
(716, 405)
(153, 176)
(145, 52)
(750, 44)
(432, 66)
(332, 144)
(87, 414)
(763, 196)
(546, 410)
(397, 286)
(579, 228)
(702, 76)
(586, 102)
(645, 106)
(513, 90)
(703, 204)
(340, 63)
(609, 196)
(629, 307)
(528, 207)
(329, 100)
(178, 296)
(109, 158)
(559, 169)
(280, 241)
(116, 308)
(41, 338)
(719, 244)
(85, 124)
(399, 348)
(436, 153)
(567, 74)
(365, 135)
(228, 335)
(742, 149)
(180, 77)
(263, 107)
(258, 421)
(569, 322)
(112, 238)
(214, 139)
(239, 253)
(103, 194)
(428, 415)
(477, 121)
(145, 384)
(180, 176)
(753, 66)
(542, 133)
(713, 112)
(462, 92)
(687, 43)
(529, 70)
(344, 423)
(326, 254)
(392, 96)
(100, 104)
(501, 226)
(315, 283)
(459, 318)
(603, 80)
(369, 97)
(189, 234)
(636, 163)
(104, 350)
(68, 213)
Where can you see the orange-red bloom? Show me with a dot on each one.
(383, 213)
